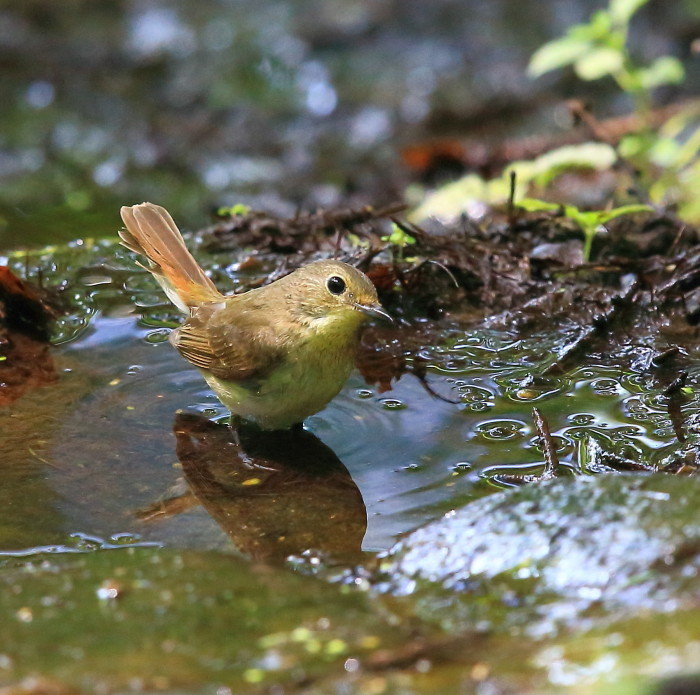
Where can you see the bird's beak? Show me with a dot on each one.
(375, 311)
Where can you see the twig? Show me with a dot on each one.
(511, 200)
(665, 356)
(551, 460)
(674, 393)
(676, 385)
(676, 240)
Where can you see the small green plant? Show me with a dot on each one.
(667, 159)
(471, 193)
(590, 222)
(399, 238)
(233, 210)
(599, 49)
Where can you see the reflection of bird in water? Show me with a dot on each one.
(276, 494)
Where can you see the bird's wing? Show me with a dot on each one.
(232, 350)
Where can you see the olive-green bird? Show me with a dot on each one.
(273, 355)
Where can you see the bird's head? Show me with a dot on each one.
(332, 292)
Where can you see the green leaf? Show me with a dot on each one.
(597, 28)
(587, 220)
(607, 215)
(664, 70)
(592, 219)
(621, 11)
(452, 199)
(598, 63)
(398, 237)
(664, 152)
(535, 205)
(557, 54)
(237, 209)
(631, 145)
(587, 155)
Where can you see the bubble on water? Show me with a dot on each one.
(160, 335)
(501, 430)
(364, 393)
(468, 393)
(478, 407)
(637, 380)
(605, 386)
(634, 405)
(461, 467)
(392, 404)
(125, 538)
(412, 467)
(84, 542)
(581, 419)
(627, 431)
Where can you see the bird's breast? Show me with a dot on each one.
(301, 384)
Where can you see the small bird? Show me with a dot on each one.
(273, 355)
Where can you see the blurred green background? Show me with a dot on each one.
(274, 103)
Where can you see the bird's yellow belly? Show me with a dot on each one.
(294, 390)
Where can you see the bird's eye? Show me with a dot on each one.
(336, 285)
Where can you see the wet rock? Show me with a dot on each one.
(556, 554)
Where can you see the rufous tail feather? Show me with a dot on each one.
(151, 232)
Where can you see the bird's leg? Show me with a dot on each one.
(234, 423)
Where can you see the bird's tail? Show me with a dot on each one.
(151, 232)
